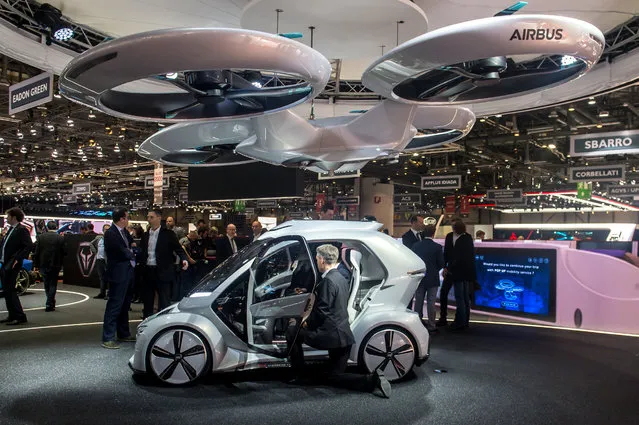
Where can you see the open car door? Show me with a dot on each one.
(280, 293)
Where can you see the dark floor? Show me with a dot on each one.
(495, 375)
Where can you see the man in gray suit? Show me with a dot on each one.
(327, 328)
(431, 253)
(49, 250)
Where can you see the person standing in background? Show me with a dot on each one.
(49, 250)
(159, 247)
(118, 246)
(226, 245)
(432, 255)
(327, 212)
(459, 256)
(16, 246)
(257, 230)
(414, 234)
(100, 262)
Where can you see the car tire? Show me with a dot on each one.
(169, 363)
(391, 349)
(23, 281)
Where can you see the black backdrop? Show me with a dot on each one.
(245, 181)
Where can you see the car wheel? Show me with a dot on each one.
(390, 349)
(178, 356)
(22, 282)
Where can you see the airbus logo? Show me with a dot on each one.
(537, 34)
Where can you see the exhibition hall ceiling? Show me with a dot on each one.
(46, 149)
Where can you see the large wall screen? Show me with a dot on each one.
(519, 282)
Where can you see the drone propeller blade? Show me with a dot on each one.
(184, 86)
(291, 34)
(174, 112)
(249, 103)
(512, 9)
(270, 91)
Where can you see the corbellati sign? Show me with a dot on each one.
(597, 174)
(441, 182)
(598, 144)
(537, 34)
(29, 93)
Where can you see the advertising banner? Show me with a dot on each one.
(464, 205)
(347, 200)
(29, 93)
(407, 198)
(604, 173)
(140, 204)
(623, 191)
(450, 205)
(158, 174)
(267, 203)
(148, 183)
(81, 189)
(69, 199)
(345, 175)
(297, 215)
(441, 182)
(584, 190)
(506, 196)
(599, 144)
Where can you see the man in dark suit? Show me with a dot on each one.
(459, 271)
(414, 234)
(327, 328)
(118, 247)
(49, 250)
(159, 248)
(257, 230)
(432, 255)
(16, 246)
(226, 245)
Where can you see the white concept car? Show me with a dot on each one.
(236, 318)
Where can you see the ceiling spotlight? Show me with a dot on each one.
(84, 158)
(23, 149)
(498, 116)
(116, 148)
(604, 114)
(592, 101)
(516, 134)
(599, 125)
(571, 109)
(91, 114)
(57, 96)
(69, 121)
(33, 131)
(80, 151)
(54, 154)
(482, 120)
(51, 18)
(552, 146)
(19, 134)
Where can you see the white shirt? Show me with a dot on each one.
(101, 254)
(233, 245)
(455, 237)
(6, 238)
(153, 241)
(326, 272)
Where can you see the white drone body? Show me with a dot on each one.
(231, 90)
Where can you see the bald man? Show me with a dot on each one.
(226, 246)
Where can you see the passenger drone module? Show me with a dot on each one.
(232, 104)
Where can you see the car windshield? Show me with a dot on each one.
(227, 268)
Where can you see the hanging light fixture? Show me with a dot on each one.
(116, 148)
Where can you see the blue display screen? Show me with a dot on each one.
(519, 282)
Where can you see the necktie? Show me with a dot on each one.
(419, 236)
(123, 233)
(233, 246)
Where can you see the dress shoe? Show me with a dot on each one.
(381, 384)
(16, 322)
(99, 297)
(441, 322)
(129, 338)
(7, 320)
(112, 345)
(49, 309)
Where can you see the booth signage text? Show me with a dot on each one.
(29, 93)
(604, 173)
(598, 144)
(441, 182)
